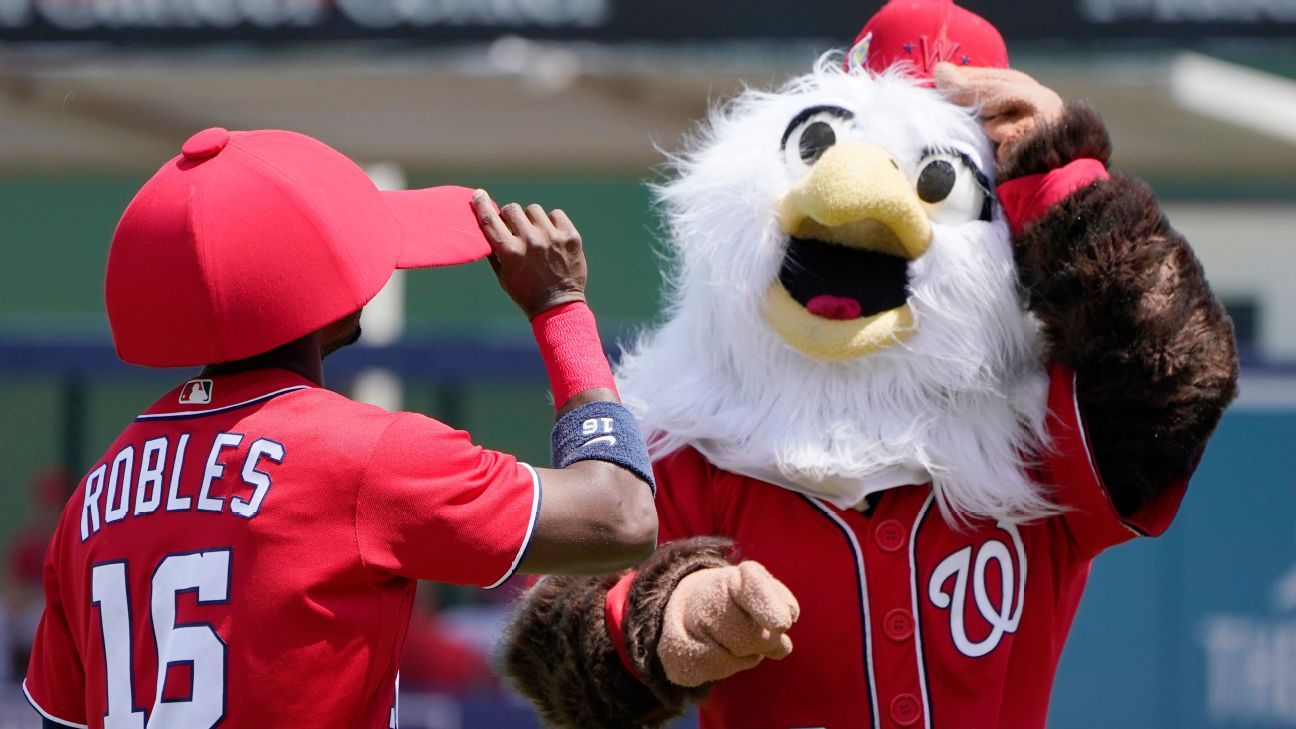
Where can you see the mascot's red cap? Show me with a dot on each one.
(923, 33)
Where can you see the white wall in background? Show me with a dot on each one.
(1249, 251)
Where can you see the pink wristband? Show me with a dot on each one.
(573, 354)
(1027, 199)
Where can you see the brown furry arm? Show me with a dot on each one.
(559, 655)
(1125, 303)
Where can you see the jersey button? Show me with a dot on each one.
(890, 535)
(905, 710)
(898, 625)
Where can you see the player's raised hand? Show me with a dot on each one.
(1011, 104)
(537, 255)
(723, 620)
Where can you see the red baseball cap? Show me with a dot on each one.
(925, 32)
(249, 240)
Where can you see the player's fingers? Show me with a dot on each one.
(758, 594)
(561, 222)
(539, 219)
(517, 222)
(492, 226)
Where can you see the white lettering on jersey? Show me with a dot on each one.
(215, 469)
(152, 465)
(258, 480)
(107, 495)
(90, 502)
(117, 503)
(1004, 618)
(176, 502)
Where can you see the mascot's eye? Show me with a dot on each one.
(936, 181)
(815, 140)
(812, 133)
(952, 189)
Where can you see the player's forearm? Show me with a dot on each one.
(596, 518)
(1124, 303)
(598, 512)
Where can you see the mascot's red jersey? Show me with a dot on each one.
(245, 555)
(907, 621)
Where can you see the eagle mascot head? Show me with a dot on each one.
(844, 313)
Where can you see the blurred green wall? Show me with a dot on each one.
(54, 234)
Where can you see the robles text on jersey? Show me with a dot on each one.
(137, 482)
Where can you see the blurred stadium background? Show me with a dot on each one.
(565, 102)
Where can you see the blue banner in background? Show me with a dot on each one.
(172, 22)
(1197, 630)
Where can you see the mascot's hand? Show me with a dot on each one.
(723, 620)
(1012, 104)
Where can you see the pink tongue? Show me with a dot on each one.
(834, 307)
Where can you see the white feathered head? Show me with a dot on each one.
(844, 311)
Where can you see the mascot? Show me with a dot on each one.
(924, 359)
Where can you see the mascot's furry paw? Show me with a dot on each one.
(724, 620)
(1011, 104)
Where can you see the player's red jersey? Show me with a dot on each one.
(245, 555)
(907, 622)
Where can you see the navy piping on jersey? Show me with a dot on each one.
(225, 409)
(862, 587)
(917, 608)
(537, 492)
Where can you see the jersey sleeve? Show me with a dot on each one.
(55, 682)
(1089, 514)
(431, 505)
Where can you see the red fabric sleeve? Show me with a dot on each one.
(1027, 199)
(433, 506)
(55, 683)
(1090, 516)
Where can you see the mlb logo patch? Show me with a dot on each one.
(196, 392)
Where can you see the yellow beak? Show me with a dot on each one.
(856, 195)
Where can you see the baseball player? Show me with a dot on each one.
(245, 554)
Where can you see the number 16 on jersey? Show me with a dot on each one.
(205, 573)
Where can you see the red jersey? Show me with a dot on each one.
(246, 553)
(906, 621)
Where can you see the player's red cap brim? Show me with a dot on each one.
(438, 227)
